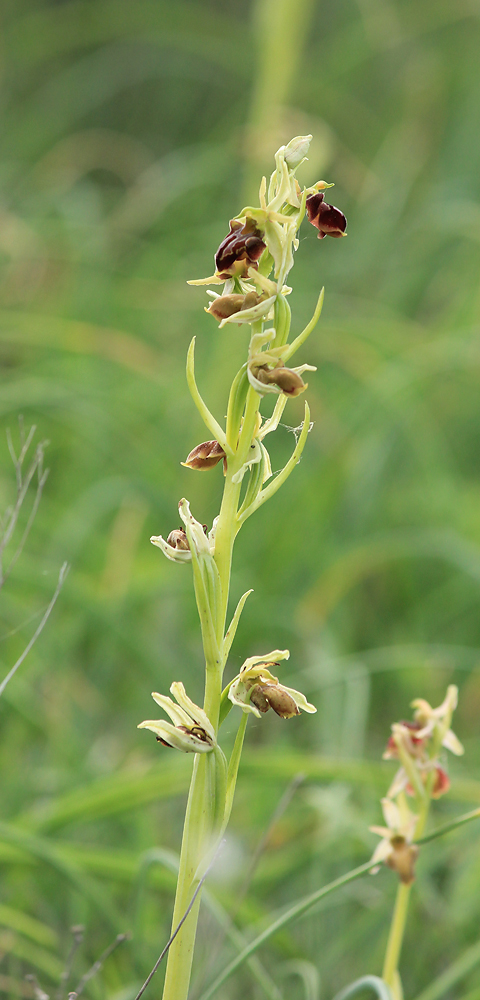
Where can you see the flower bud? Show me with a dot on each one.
(227, 305)
(177, 539)
(329, 221)
(287, 380)
(240, 250)
(205, 456)
(296, 150)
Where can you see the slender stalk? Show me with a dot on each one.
(395, 937)
(399, 918)
(198, 822)
(199, 819)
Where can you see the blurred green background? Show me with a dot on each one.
(132, 132)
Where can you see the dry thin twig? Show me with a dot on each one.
(9, 522)
(38, 993)
(61, 579)
(77, 932)
(95, 968)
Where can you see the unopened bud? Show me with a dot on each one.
(205, 456)
(178, 539)
(329, 221)
(240, 250)
(296, 150)
(227, 305)
(402, 859)
(287, 380)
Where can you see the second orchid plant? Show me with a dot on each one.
(252, 264)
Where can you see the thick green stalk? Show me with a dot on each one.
(200, 815)
(395, 938)
(198, 823)
(227, 521)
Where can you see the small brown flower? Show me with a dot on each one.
(396, 849)
(402, 859)
(287, 380)
(205, 456)
(329, 221)
(239, 250)
(227, 305)
(256, 690)
(177, 539)
(265, 696)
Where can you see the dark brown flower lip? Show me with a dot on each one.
(240, 250)
(328, 219)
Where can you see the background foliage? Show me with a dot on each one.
(132, 132)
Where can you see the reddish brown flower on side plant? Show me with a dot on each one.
(329, 221)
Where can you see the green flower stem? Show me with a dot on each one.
(412, 771)
(209, 782)
(227, 526)
(397, 927)
(198, 823)
(395, 938)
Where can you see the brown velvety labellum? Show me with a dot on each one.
(239, 250)
(329, 221)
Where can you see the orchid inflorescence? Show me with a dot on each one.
(252, 264)
(261, 240)
(417, 744)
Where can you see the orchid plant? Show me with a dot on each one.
(252, 264)
(417, 745)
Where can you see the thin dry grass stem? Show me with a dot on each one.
(61, 579)
(77, 932)
(95, 968)
(38, 993)
(10, 519)
(281, 808)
